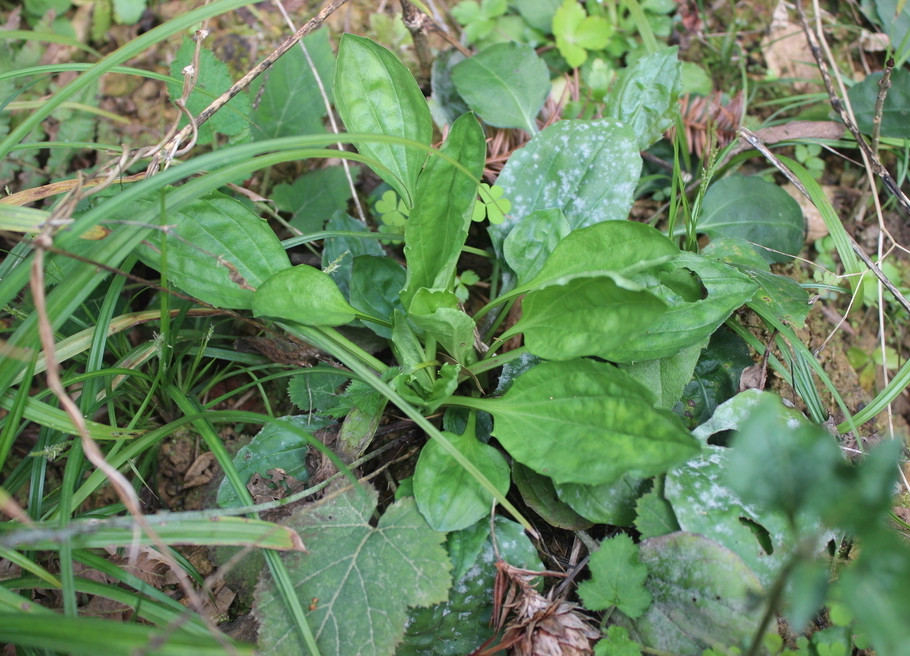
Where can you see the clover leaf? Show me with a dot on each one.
(576, 32)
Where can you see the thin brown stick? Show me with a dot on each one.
(310, 26)
(883, 85)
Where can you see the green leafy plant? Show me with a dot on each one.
(586, 358)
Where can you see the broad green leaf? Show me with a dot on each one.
(587, 316)
(731, 414)
(582, 421)
(439, 315)
(806, 473)
(376, 94)
(760, 212)
(438, 222)
(376, 284)
(645, 95)
(537, 13)
(576, 32)
(716, 377)
(588, 169)
(694, 313)
(704, 504)
(703, 596)
(289, 102)
(445, 103)
(896, 110)
(654, 515)
(779, 295)
(340, 251)
(539, 495)
(669, 376)
(506, 84)
(273, 446)
(618, 249)
(530, 243)
(129, 12)
(213, 80)
(448, 497)
(219, 251)
(314, 197)
(872, 589)
(362, 578)
(92, 636)
(617, 578)
(616, 642)
(609, 503)
(316, 389)
(462, 624)
(305, 295)
(893, 16)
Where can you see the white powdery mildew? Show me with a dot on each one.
(586, 168)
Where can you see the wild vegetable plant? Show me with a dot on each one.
(612, 411)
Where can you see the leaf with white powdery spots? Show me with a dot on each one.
(588, 169)
(360, 579)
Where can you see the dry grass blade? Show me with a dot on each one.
(702, 114)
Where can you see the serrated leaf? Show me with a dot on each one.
(314, 197)
(760, 212)
(617, 578)
(273, 446)
(362, 578)
(616, 642)
(213, 79)
(896, 110)
(645, 95)
(692, 314)
(696, 584)
(587, 316)
(289, 101)
(316, 389)
(449, 498)
(376, 94)
(305, 295)
(588, 169)
(506, 84)
(219, 251)
(462, 624)
(581, 421)
(438, 223)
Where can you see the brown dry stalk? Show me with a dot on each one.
(702, 114)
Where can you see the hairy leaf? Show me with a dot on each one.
(617, 578)
(360, 579)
